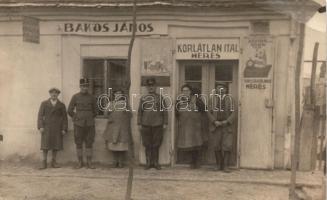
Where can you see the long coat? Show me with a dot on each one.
(191, 124)
(117, 130)
(54, 120)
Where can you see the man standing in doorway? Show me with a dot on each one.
(221, 117)
(83, 109)
(152, 120)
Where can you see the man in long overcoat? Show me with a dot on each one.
(83, 109)
(221, 116)
(152, 120)
(52, 124)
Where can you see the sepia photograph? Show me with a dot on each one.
(163, 99)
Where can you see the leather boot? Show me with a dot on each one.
(80, 163)
(43, 165)
(54, 164)
(115, 157)
(193, 160)
(218, 161)
(147, 158)
(226, 161)
(222, 161)
(89, 158)
(196, 158)
(45, 159)
(89, 164)
(155, 152)
(120, 159)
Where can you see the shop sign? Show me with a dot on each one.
(31, 30)
(207, 49)
(112, 28)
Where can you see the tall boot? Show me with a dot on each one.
(44, 161)
(197, 162)
(147, 158)
(155, 152)
(115, 161)
(193, 159)
(80, 163)
(54, 163)
(222, 160)
(89, 158)
(226, 161)
(218, 160)
(120, 159)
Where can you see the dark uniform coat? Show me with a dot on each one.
(152, 111)
(83, 108)
(152, 115)
(54, 120)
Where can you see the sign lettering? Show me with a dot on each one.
(207, 49)
(112, 28)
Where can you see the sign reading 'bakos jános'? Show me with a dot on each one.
(111, 28)
(207, 49)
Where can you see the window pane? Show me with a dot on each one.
(93, 69)
(195, 85)
(224, 72)
(193, 73)
(117, 74)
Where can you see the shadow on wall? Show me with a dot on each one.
(23, 145)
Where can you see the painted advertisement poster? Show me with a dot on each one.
(259, 60)
(156, 57)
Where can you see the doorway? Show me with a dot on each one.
(204, 76)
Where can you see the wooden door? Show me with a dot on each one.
(205, 76)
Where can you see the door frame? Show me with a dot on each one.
(179, 64)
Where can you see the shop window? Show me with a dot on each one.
(193, 76)
(104, 74)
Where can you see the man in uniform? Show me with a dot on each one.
(221, 117)
(152, 120)
(83, 109)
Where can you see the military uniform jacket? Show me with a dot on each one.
(83, 108)
(152, 111)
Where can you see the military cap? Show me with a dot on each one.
(84, 82)
(150, 81)
(222, 85)
(54, 90)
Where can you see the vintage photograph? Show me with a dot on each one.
(163, 99)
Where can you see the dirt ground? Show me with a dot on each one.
(180, 183)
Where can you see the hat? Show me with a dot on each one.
(84, 82)
(222, 85)
(54, 90)
(150, 81)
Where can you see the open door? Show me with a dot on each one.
(205, 75)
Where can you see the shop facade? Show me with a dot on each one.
(246, 46)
